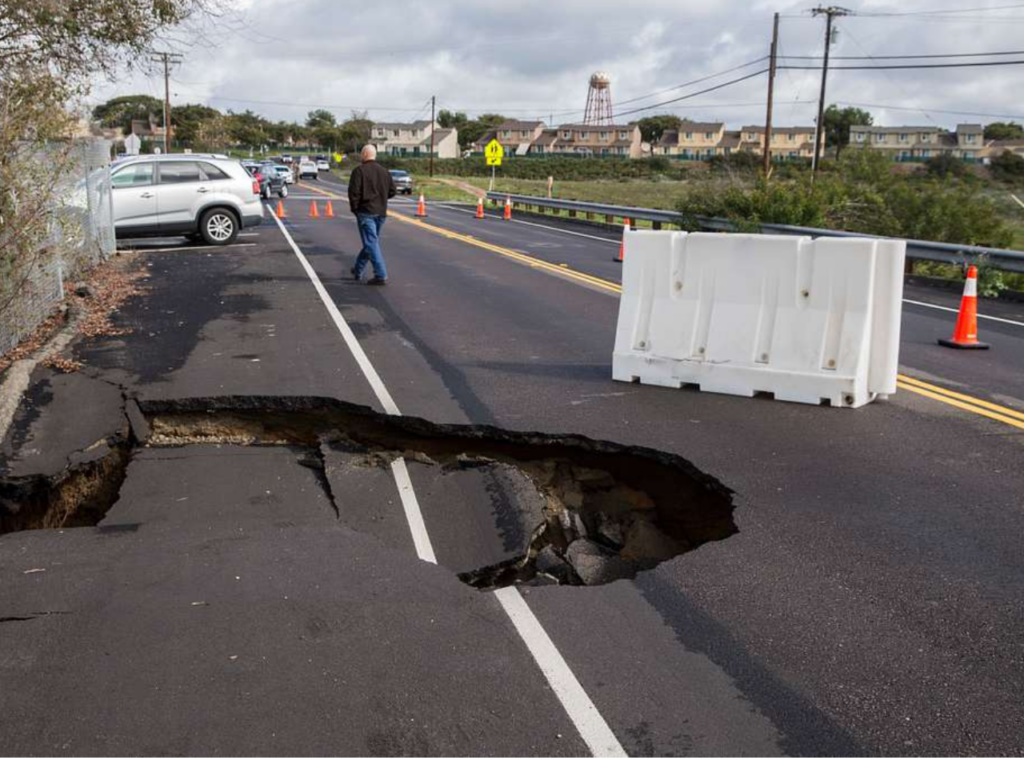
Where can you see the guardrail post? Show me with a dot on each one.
(655, 225)
(609, 219)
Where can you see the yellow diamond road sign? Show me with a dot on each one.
(494, 152)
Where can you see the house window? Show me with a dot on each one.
(751, 137)
(926, 138)
(926, 153)
(506, 134)
(396, 133)
(584, 135)
(968, 155)
(524, 134)
(903, 137)
(791, 137)
(604, 150)
(970, 138)
(603, 134)
(623, 135)
(793, 153)
(708, 136)
(860, 137)
(689, 135)
(566, 134)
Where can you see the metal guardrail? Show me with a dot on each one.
(923, 250)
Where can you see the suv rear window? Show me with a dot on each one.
(212, 172)
(179, 172)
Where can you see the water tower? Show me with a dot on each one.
(599, 100)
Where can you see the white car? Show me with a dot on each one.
(323, 165)
(199, 196)
(284, 170)
(308, 168)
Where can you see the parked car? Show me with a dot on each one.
(284, 170)
(287, 159)
(403, 182)
(199, 196)
(307, 168)
(272, 181)
(323, 165)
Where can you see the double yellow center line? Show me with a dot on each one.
(967, 403)
(974, 405)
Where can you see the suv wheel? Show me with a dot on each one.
(218, 226)
(284, 191)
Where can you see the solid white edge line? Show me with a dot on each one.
(346, 333)
(955, 311)
(592, 727)
(413, 514)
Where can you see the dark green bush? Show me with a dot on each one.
(945, 166)
(1008, 167)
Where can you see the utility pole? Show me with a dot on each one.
(819, 132)
(433, 103)
(771, 96)
(167, 59)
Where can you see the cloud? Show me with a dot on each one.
(534, 58)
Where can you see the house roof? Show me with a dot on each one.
(587, 127)
(520, 125)
(690, 126)
(403, 126)
(547, 136)
(780, 129)
(669, 138)
(731, 139)
(969, 128)
(442, 134)
(897, 129)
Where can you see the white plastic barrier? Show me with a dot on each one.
(810, 321)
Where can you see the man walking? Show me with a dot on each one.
(369, 188)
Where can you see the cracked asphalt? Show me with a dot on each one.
(871, 603)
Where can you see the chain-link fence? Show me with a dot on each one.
(62, 225)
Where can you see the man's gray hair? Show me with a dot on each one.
(369, 152)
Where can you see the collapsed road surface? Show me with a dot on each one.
(248, 578)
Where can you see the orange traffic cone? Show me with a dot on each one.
(329, 211)
(280, 209)
(421, 209)
(622, 245)
(508, 209)
(479, 207)
(313, 212)
(965, 336)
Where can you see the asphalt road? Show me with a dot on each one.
(234, 602)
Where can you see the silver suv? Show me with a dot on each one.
(199, 196)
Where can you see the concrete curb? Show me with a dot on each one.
(19, 374)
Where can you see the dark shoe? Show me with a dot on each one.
(378, 281)
(355, 275)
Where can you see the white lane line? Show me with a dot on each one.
(592, 727)
(417, 525)
(346, 333)
(567, 688)
(955, 311)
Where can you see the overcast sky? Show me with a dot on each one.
(532, 59)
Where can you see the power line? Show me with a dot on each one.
(924, 66)
(943, 11)
(920, 56)
(936, 111)
(697, 81)
(690, 95)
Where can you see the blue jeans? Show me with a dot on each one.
(369, 231)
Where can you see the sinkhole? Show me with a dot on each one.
(575, 511)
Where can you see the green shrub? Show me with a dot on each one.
(1008, 167)
(945, 166)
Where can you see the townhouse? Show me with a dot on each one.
(414, 139)
(908, 143)
(703, 141)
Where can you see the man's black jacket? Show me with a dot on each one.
(369, 188)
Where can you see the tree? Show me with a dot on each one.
(449, 119)
(838, 123)
(121, 110)
(652, 128)
(320, 118)
(247, 128)
(354, 133)
(945, 166)
(1004, 131)
(50, 53)
(187, 120)
(474, 129)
